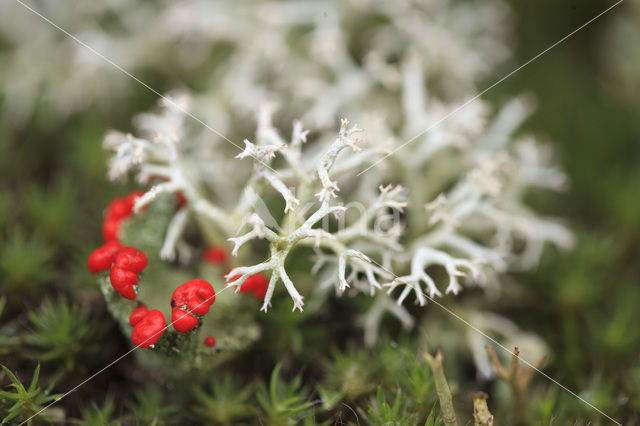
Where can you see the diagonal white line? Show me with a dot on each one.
(124, 71)
(486, 336)
(113, 362)
(489, 88)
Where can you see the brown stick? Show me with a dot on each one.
(517, 379)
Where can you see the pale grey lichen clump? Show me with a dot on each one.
(316, 55)
(453, 198)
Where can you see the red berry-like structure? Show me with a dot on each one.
(131, 259)
(117, 210)
(192, 298)
(128, 262)
(122, 207)
(256, 284)
(148, 330)
(215, 255)
(196, 295)
(102, 258)
(110, 228)
(138, 314)
(123, 282)
(183, 321)
(210, 341)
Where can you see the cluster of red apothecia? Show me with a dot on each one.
(189, 302)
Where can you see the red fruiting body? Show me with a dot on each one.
(128, 262)
(138, 314)
(215, 255)
(256, 284)
(110, 228)
(130, 259)
(183, 321)
(102, 257)
(117, 210)
(149, 329)
(210, 341)
(196, 295)
(122, 207)
(123, 282)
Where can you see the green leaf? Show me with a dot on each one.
(27, 402)
(34, 381)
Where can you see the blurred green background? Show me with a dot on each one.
(584, 304)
